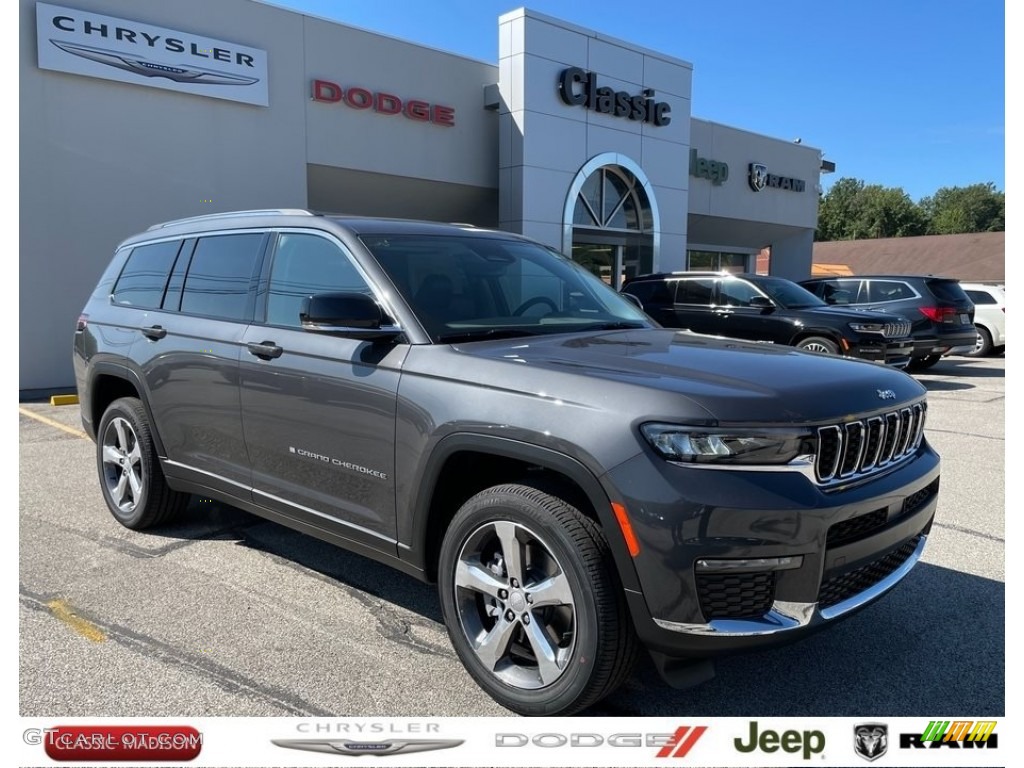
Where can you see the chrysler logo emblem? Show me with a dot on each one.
(886, 394)
(870, 740)
(383, 747)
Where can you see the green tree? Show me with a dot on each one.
(976, 208)
(852, 210)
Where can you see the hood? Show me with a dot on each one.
(645, 373)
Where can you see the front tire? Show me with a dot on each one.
(132, 481)
(532, 602)
(819, 345)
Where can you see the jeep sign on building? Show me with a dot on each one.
(133, 113)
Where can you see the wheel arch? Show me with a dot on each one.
(108, 382)
(464, 464)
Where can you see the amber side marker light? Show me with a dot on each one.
(627, 529)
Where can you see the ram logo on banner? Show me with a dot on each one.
(94, 45)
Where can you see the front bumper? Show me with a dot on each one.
(894, 352)
(739, 560)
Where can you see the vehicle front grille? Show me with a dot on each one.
(896, 330)
(915, 501)
(736, 595)
(840, 588)
(855, 528)
(858, 448)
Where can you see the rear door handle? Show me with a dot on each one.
(265, 350)
(154, 332)
(723, 311)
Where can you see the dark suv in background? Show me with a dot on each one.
(941, 313)
(770, 309)
(475, 409)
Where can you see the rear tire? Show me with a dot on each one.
(532, 602)
(983, 346)
(132, 481)
(818, 344)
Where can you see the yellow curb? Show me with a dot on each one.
(64, 400)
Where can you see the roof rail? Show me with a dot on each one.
(233, 214)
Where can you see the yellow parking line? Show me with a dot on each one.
(61, 610)
(51, 423)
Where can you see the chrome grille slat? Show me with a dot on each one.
(858, 448)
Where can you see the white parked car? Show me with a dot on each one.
(989, 317)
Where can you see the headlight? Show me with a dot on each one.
(727, 446)
(868, 327)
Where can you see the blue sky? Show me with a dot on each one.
(903, 93)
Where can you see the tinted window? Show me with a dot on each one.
(695, 291)
(833, 292)
(787, 293)
(219, 276)
(737, 293)
(145, 274)
(468, 287)
(890, 290)
(650, 292)
(947, 290)
(304, 265)
(981, 297)
(654, 292)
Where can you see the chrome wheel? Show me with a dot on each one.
(515, 605)
(979, 345)
(818, 347)
(122, 464)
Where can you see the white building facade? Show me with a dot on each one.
(132, 114)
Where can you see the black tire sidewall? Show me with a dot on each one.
(824, 341)
(559, 697)
(126, 409)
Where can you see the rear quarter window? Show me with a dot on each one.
(980, 297)
(144, 276)
(947, 290)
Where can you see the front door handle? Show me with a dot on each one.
(723, 311)
(265, 350)
(154, 332)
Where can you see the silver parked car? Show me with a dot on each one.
(989, 317)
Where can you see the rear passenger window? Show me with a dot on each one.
(219, 276)
(890, 290)
(737, 293)
(697, 291)
(145, 274)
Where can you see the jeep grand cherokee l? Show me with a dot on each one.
(941, 314)
(773, 310)
(475, 409)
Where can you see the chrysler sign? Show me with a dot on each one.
(107, 47)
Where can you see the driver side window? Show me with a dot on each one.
(304, 265)
(736, 293)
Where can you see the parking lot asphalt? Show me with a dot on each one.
(227, 614)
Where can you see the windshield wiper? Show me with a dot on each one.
(484, 333)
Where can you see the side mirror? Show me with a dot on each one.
(633, 300)
(355, 315)
(761, 302)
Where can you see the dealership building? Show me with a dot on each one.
(136, 113)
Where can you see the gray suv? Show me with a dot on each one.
(475, 409)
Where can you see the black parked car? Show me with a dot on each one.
(941, 313)
(472, 408)
(770, 309)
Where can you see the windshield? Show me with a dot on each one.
(464, 288)
(788, 294)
